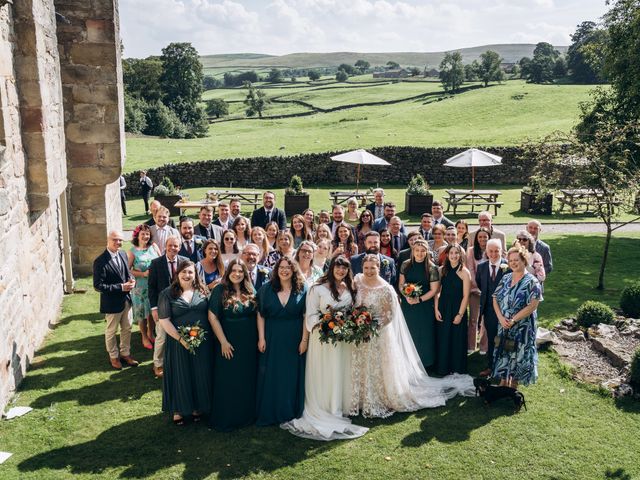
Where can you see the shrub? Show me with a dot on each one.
(418, 185)
(592, 313)
(163, 122)
(634, 371)
(295, 186)
(630, 300)
(134, 114)
(165, 188)
(161, 191)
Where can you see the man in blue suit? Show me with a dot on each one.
(191, 243)
(488, 276)
(113, 279)
(383, 223)
(259, 273)
(534, 227)
(372, 245)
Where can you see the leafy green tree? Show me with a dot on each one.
(134, 114)
(163, 121)
(540, 70)
(362, 65)
(585, 54)
(209, 83)
(415, 72)
(231, 80)
(275, 76)
(217, 107)
(141, 78)
(451, 72)
(488, 69)
(348, 69)
(391, 65)
(525, 67)
(313, 75)
(471, 71)
(341, 76)
(256, 101)
(560, 68)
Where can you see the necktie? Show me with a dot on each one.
(396, 243)
(187, 244)
(173, 269)
(253, 277)
(120, 265)
(207, 233)
(493, 273)
(268, 216)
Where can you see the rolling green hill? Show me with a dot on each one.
(511, 52)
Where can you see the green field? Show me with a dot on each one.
(92, 422)
(503, 114)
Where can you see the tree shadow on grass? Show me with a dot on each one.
(151, 444)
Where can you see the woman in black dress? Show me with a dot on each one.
(187, 381)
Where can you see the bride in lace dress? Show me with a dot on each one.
(387, 375)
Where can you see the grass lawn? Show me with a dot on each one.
(93, 422)
(503, 114)
(509, 213)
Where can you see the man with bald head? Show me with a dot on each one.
(534, 227)
(113, 279)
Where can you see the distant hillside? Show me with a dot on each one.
(511, 52)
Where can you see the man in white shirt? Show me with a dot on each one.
(438, 215)
(259, 274)
(426, 223)
(234, 209)
(485, 219)
(534, 227)
(161, 230)
(224, 218)
(377, 206)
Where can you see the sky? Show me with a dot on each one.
(279, 27)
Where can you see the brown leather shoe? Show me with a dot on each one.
(115, 363)
(485, 373)
(158, 371)
(130, 361)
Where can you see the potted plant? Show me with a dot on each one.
(296, 200)
(417, 198)
(167, 194)
(534, 198)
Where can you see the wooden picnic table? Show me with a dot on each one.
(340, 198)
(186, 204)
(246, 197)
(581, 200)
(473, 198)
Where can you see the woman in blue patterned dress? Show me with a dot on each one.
(211, 268)
(140, 256)
(515, 301)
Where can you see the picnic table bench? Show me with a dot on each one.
(580, 200)
(185, 204)
(340, 198)
(246, 197)
(473, 198)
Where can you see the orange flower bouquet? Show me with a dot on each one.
(411, 290)
(333, 325)
(194, 335)
(361, 326)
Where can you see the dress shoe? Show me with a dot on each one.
(485, 373)
(158, 371)
(115, 363)
(130, 361)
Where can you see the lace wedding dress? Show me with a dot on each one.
(327, 378)
(387, 375)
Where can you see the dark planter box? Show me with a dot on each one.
(417, 204)
(530, 203)
(296, 204)
(169, 201)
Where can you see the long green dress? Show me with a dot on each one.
(234, 380)
(451, 340)
(421, 318)
(280, 394)
(187, 380)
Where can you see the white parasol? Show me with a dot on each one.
(473, 158)
(359, 157)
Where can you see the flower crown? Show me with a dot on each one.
(136, 231)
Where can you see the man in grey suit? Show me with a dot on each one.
(161, 230)
(534, 227)
(383, 222)
(162, 271)
(485, 219)
(206, 228)
(437, 213)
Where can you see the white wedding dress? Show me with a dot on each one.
(387, 375)
(327, 378)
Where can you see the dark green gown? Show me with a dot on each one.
(234, 380)
(280, 394)
(451, 340)
(421, 318)
(187, 384)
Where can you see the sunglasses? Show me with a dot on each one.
(523, 239)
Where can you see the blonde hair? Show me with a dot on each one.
(522, 253)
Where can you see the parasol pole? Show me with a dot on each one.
(473, 178)
(357, 177)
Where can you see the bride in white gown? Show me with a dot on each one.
(328, 368)
(387, 375)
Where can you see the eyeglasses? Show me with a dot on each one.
(523, 239)
(307, 252)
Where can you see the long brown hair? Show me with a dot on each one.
(306, 234)
(350, 238)
(477, 252)
(330, 279)
(297, 280)
(218, 261)
(447, 267)
(198, 286)
(247, 292)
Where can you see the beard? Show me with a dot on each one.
(373, 250)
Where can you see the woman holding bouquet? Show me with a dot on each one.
(281, 307)
(232, 314)
(419, 283)
(187, 381)
(328, 368)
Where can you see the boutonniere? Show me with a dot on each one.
(198, 241)
(385, 262)
(263, 270)
(504, 267)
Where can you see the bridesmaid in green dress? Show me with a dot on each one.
(187, 381)
(451, 313)
(140, 256)
(281, 309)
(232, 314)
(419, 312)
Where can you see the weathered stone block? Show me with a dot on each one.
(90, 235)
(96, 54)
(100, 94)
(100, 31)
(93, 133)
(31, 119)
(93, 175)
(88, 112)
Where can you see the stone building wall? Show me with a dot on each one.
(32, 179)
(317, 169)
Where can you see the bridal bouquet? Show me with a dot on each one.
(194, 335)
(333, 325)
(411, 290)
(361, 326)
